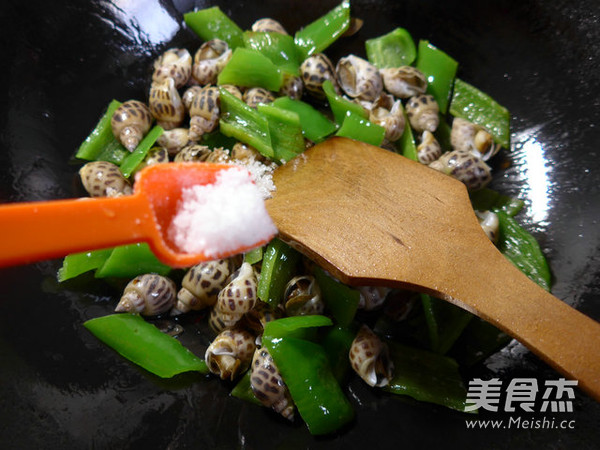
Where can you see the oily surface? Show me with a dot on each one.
(60, 388)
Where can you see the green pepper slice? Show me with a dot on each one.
(426, 376)
(445, 322)
(279, 265)
(100, 137)
(285, 130)
(523, 250)
(487, 199)
(133, 160)
(129, 261)
(79, 263)
(315, 126)
(340, 107)
(361, 129)
(279, 48)
(440, 71)
(471, 104)
(212, 23)
(248, 67)
(143, 344)
(320, 34)
(393, 49)
(244, 123)
(340, 299)
(304, 367)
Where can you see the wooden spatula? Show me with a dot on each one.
(372, 217)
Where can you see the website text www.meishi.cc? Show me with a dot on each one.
(521, 423)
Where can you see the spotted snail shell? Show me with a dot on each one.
(268, 25)
(302, 296)
(104, 179)
(315, 70)
(239, 296)
(174, 140)
(209, 61)
(253, 96)
(389, 114)
(372, 297)
(201, 285)
(358, 78)
(230, 353)
(148, 294)
(423, 113)
(467, 136)
(130, 122)
(165, 104)
(429, 148)
(466, 167)
(204, 112)
(175, 63)
(404, 81)
(268, 386)
(369, 357)
(191, 153)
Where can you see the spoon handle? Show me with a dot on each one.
(563, 337)
(33, 231)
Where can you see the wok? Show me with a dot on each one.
(60, 388)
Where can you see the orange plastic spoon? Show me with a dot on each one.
(42, 230)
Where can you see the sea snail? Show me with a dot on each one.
(104, 179)
(369, 357)
(130, 122)
(230, 352)
(268, 386)
(148, 294)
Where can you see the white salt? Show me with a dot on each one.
(262, 175)
(222, 217)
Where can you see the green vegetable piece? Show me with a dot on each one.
(244, 123)
(279, 48)
(355, 127)
(145, 345)
(320, 34)
(129, 261)
(279, 265)
(131, 161)
(336, 343)
(471, 104)
(442, 133)
(113, 152)
(243, 389)
(315, 126)
(248, 67)
(340, 107)
(479, 340)
(304, 367)
(254, 256)
(440, 71)
(294, 326)
(445, 322)
(217, 139)
(285, 130)
(341, 300)
(406, 145)
(212, 23)
(100, 137)
(488, 199)
(522, 249)
(79, 263)
(393, 49)
(426, 376)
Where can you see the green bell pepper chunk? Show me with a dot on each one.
(304, 367)
(479, 340)
(248, 67)
(217, 139)
(522, 249)
(129, 261)
(279, 48)
(244, 123)
(407, 145)
(426, 376)
(471, 104)
(340, 299)
(132, 160)
(100, 137)
(285, 130)
(113, 152)
(243, 389)
(336, 343)
(393, 49)
(79, 263)
(320, 34)
(295, 326)
(440, 71)
(340, 107)
(280, 263)
(487, 199)
(355, 127)
(145, 345)
(212, 23)
(254, 256)
(445, 322)
(315, 126)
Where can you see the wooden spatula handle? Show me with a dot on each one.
(564, 338)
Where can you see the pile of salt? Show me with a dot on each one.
(222, 217)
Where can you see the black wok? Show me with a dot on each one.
(62, 63)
